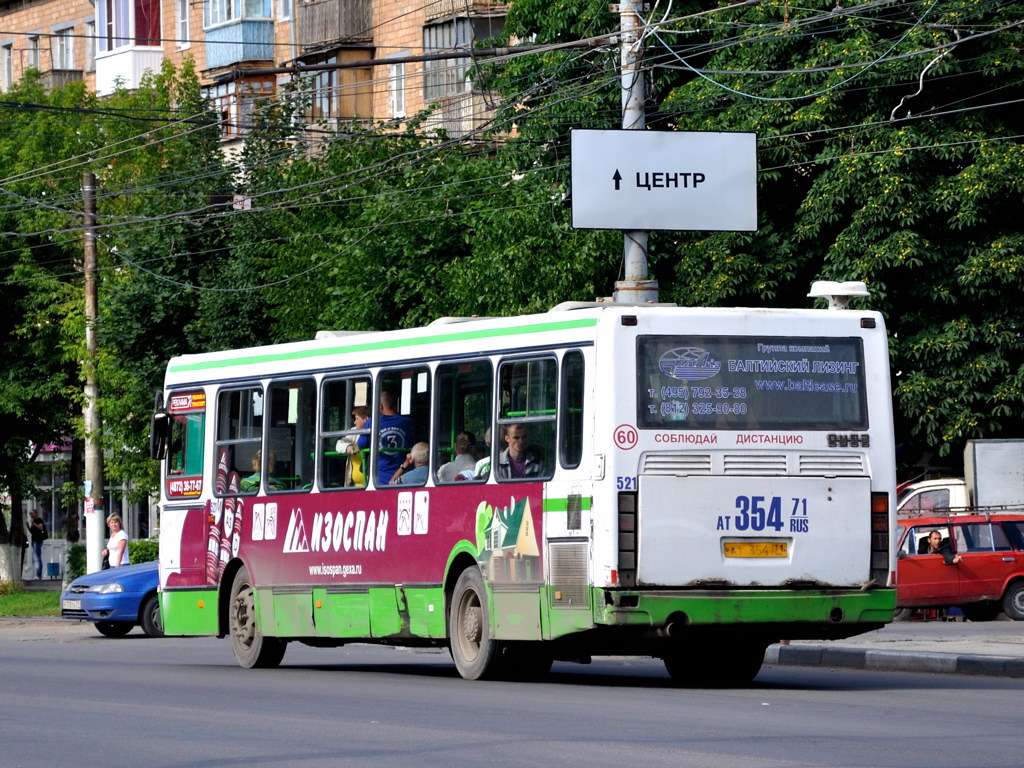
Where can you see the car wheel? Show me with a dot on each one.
(114, 628)
(251, 647)
(980, 611)
(149, 616)
(1013, 601)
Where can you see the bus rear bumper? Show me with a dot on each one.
(833, 614)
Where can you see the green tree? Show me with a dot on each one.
(156, 155)
(889, 151)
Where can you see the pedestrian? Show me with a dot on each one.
(37, 530)
(117, 545)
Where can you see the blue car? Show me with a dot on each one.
(117, 599)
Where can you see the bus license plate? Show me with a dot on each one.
(71, 605)
(755, 549)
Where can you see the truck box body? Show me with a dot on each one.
(994, 470)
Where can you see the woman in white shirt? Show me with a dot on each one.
(117, 545)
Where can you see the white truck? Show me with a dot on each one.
(994, 479)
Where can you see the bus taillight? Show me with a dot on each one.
(627, 539)
(880, 538)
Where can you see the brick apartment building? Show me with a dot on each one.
(236, 44)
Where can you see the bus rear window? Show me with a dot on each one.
(750, 383)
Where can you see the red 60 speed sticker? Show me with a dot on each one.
(626, 436)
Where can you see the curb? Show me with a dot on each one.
(894, 661)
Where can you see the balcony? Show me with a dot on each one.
(323, 22)
(126, 66)
(446, 9)
(237, 41)
(459, 115)
(58, 78)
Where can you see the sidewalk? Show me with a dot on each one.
(973, 648)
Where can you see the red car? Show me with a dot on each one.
(987, 577)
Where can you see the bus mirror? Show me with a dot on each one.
(159, 435)
(159, 428)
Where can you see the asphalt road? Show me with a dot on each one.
(71, 697)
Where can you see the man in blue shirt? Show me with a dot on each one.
(395, 435)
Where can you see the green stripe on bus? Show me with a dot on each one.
(272, 357)
(562, 505)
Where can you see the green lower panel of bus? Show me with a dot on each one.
(376, 612)
(191, 612)
(396, 612)
(745, 607)
(380, 612)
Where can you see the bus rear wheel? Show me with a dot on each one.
(251, 648)
(715, 664)
(475, 652)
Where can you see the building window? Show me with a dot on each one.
(63, 43)
(90, 46)
(32, 52)
(396, 80)
(237, 102)
(323, 93)
(450, 77)
(222, 11)
(337, 93)
(181, 30)
(123, 23)
(6, 66)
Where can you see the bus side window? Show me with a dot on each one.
(408, 392)
(344, 444)
(239, 439)
(527, 414)
(185, 452)
(290, 436)
(570, 414)
(463, 407)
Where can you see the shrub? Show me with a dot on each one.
(76, 562)
(143, 550)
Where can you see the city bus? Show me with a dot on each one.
(687, 484)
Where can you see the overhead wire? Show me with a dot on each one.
(312, 186)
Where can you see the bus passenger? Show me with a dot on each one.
(251, 483)
(355, 446)
(482, 454)
(464, 444)
(517, 460)
(414, 470)
(396, 435)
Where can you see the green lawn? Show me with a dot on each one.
(23, 603)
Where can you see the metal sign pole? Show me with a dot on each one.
(635, 287)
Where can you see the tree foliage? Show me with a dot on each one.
(889, 151)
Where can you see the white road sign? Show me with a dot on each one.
(650, 180)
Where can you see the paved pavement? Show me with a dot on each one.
(974, 648)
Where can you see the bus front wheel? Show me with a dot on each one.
(250, 646)
(474, 651)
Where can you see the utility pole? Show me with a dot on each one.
(95, 519)
(635, 287)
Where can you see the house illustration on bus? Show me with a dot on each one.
(511, 552)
